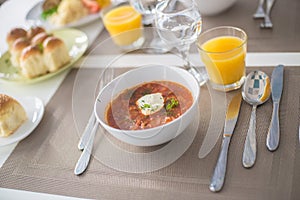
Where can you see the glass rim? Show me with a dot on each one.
(111, 7)
(223, 27)
(158, 11)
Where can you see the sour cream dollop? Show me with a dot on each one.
(150, 103)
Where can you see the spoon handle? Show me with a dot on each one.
(274, 132)
(249, 154)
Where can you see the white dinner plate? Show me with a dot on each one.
(34, 15)
(35, 110)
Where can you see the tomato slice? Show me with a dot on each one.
(92, 5)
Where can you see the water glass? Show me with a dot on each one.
(179, 27)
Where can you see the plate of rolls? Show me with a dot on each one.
(35, 55)
(18, 117)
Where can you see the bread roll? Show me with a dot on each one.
(55, 53)
(17, 49)
(39, 38)
(12, 115)
(33, 31)
(32, 62)
(15, 34)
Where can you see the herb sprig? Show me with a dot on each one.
(172, 103)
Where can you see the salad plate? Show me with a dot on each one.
(34, 109)
(34, 15)
(76, 42)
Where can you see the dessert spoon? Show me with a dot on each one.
(256, 91)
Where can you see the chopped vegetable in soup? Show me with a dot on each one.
(148, 105)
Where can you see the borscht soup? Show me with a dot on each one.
(148, 105)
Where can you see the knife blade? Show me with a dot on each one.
(84, 159)
(232, 114)
(273, 135)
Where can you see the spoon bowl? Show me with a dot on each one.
(256, 91)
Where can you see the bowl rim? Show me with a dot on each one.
(195, 95)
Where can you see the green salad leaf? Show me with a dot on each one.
(47, 13)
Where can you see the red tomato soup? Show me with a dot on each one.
(148, 105)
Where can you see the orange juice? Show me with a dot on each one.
(224, 58)
(126, 20)
(103, 3)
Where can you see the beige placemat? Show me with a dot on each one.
(284, 37)
(44, 161)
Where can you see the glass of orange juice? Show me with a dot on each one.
(223, 52)
(124, 25)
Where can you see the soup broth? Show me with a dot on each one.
(148, 105)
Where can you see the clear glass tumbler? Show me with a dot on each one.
(223, 51)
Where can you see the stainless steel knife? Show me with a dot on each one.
(276, 88)
(84, 159)
(232, 114)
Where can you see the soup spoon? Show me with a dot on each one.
(256, 91)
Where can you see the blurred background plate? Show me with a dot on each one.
(34, 16)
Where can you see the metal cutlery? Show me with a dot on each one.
(267, 19)
(87, 132)
(87, 139)
(274, 129)
(260, 12)
(218, 177)
(256, 91)
(84, 159)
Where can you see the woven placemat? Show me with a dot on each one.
(45, 160)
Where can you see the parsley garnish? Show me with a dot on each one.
(172, 103)
(144, 106)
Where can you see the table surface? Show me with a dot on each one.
(267, 48)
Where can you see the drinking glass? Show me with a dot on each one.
(147, 9)
(179, 28)
(223, 51)
(124, 25)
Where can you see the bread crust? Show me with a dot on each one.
(29, 51)
(5, 100)
(20, 44)
(39, 38)
(9, 107)
(33, 31)
(15, 34)
(51, 43)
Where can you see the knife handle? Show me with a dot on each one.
(249, 154)
(274, 131)
(218, 177)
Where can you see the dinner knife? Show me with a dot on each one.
(232, 114)
(84, 159)
(276, 88)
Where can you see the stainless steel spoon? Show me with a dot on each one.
(256, 91)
